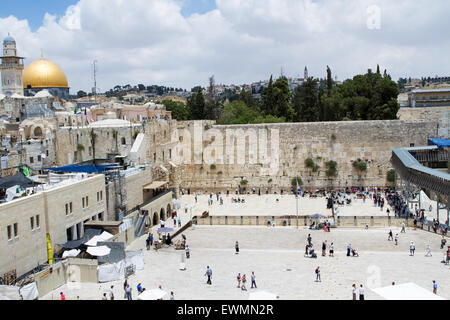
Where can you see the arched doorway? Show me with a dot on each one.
(155, 219)
(162, 215)
(169, 210)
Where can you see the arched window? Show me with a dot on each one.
(38, 132)
(124, 141)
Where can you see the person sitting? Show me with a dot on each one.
(312, 254)
(355, 253)
(312, 226)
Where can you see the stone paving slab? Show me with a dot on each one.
(270, 252)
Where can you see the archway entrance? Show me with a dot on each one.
(155, 219)
(162, 215)
(169, 211)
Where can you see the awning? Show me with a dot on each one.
(153, 294)
(98, 251)
(155, 185)
(407, 291)
(100, 238)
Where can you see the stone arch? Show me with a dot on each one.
(169, 210)
(37, 131)
(162, 214)
(155, 219)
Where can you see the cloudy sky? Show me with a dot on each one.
(181, 43)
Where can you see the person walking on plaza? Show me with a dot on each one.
(111, 293)
(208, 273)
(428, 251)
(412, 248)
(244, 281)
(361, 292)
(172, 297)
(324, 248)
(403, 228)
(128, 292)
(188, 252)
(309, 240)
(179, 222)
(253, 278)
(318, 275)
(238, 278)
(147, 242)
(349, 249)
(396, 239)
(435, 287)
(236, 246)
(354, 292)
(331, 250)
(390, 238)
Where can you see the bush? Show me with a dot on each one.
(212, 167)
(220, 172)
(331, 168)
(359, 165)
(244, 182)
(309, 163)
(295, 180)
(391, 175)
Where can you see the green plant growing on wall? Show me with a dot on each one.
(331, 171)
(220, 172)
(361, 167)
(391, 176)
(296, 180)
(244, 182)
(80, 147)
(333, 137)
(270, 181)
(212, 167)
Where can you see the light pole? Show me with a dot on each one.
(296, 198)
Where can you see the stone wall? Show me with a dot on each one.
(343, 142)
(439, 114)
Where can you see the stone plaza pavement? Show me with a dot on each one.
(276, 255)
(267, 205)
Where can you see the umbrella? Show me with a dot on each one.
(153, 294)
(98, 251)
(100, 238)
(163, 230)
(71, 253)
(317, 215)
(262, 295)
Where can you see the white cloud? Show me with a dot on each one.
(150, 41)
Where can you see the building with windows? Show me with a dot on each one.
(429, 97)
(11, 68)
(59, 208)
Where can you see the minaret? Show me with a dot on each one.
(306, 73)
(11, 68)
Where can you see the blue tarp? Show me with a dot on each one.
(439, 142)
(99, 168)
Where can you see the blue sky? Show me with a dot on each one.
(34, 10)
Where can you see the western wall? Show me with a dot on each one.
(343, 142)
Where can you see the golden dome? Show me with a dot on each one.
(44, 74)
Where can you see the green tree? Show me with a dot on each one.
(391, 176)
(268, 99)
(179, 110)
(305, 102)
(196, 105)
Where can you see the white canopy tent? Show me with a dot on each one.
(153, 294)
(262, 295)
(98, 251)
(406, 291)
(105, 236)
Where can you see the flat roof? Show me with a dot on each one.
(155, 185)
(95, 223)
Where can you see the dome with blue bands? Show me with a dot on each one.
(9, 39)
